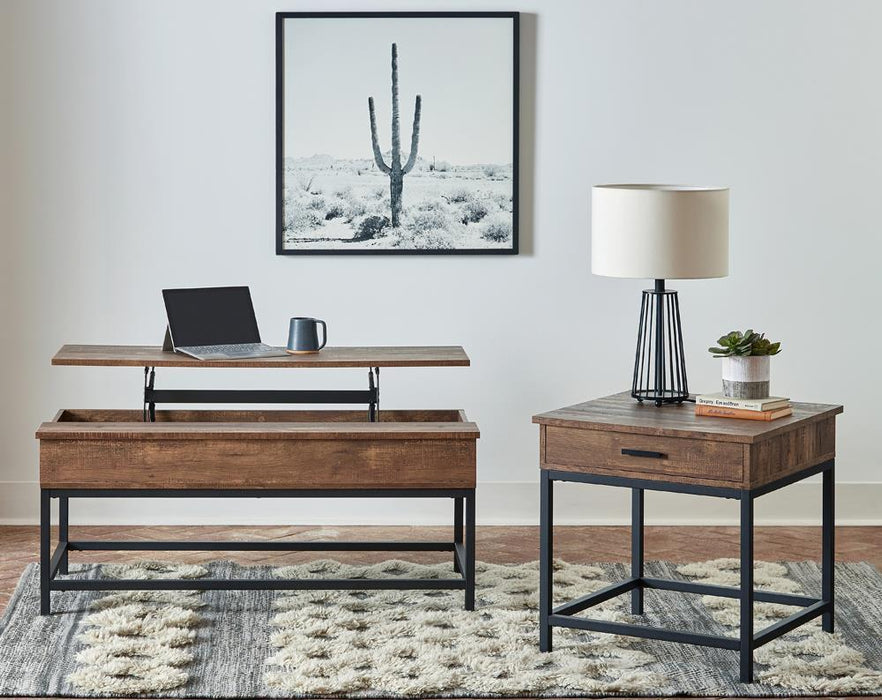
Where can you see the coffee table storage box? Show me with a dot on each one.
(257, 449)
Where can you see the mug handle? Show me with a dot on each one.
(324, 334)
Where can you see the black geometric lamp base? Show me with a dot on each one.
(660, 364)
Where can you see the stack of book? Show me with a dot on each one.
(719, 406)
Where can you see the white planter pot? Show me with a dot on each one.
(746, 377)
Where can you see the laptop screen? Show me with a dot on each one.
(211, 316)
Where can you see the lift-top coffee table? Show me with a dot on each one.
(150, 453)
(616, 441)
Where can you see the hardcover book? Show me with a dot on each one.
(767, 404)
(722, 412)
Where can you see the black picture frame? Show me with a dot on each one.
(281, 18)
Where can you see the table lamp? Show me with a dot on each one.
(660, 232)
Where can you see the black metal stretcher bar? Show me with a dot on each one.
(745, 644)
(369, 396)
(55, 563)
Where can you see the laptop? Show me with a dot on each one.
(215, 323)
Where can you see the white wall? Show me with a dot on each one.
(137, 145)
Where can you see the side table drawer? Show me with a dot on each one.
(643, 455)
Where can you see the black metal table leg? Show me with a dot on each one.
(567, 614)
(746, 630)
(470, 550)
(377, 395)
(457, 530)
(45, 502)
(546, 554)
(63, 532)
(149, 403)
(637, 549)
(372, 410)
(828, 533)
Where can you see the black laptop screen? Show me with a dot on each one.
(211, 316)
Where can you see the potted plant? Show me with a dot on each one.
(745, 363)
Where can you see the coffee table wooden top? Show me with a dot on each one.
(621, 413)
(155, 356)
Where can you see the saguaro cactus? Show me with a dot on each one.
(395, 170)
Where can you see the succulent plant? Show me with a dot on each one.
(738, 344)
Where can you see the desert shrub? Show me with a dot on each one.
(497, 228)
(371, 227)
(500, 200)
(442, 166)
(473, 211)
(459, 195)
(335, 210)
(355, 207)
(432, 205)
(316, 202)
(433, 239)
(424, 240)
(425, 220)
(353, 204)
(377, 193)
(299, 219)
(305, 183)
(491, 171)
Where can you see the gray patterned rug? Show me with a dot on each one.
(422, 644)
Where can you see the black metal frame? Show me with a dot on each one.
(565, 615)
(369, 396)
(660, 361)
(54, 563)
(280, 127)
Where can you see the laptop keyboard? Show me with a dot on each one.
(233, 350)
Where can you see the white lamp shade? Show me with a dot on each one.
(660, 231)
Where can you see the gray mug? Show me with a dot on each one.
(303, 335)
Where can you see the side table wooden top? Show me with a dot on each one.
(616, 436)
(621, 413)
(155, 356)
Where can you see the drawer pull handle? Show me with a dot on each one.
(643, 453)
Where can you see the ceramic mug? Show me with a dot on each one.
(303, 336)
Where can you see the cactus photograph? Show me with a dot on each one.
(396, 133)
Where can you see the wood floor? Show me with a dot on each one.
(19, 545)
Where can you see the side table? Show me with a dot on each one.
(616, 441)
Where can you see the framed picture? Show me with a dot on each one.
(397, 133)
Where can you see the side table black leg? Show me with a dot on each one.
(637, 549)
(45, 543)
(746, 630)
(62, 532)
(546, 555)
(828, 553)
(470, 550)
(457, 530)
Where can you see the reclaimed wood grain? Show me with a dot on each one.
(257, 464)
(115, 424)
(155, 356)
(576, 449)
(789, 452)
(589, 437)
(114, 448)
(621, 413)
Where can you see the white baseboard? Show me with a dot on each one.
(499, 503)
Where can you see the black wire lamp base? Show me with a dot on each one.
(660, 363)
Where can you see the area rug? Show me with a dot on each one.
(222, 644)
